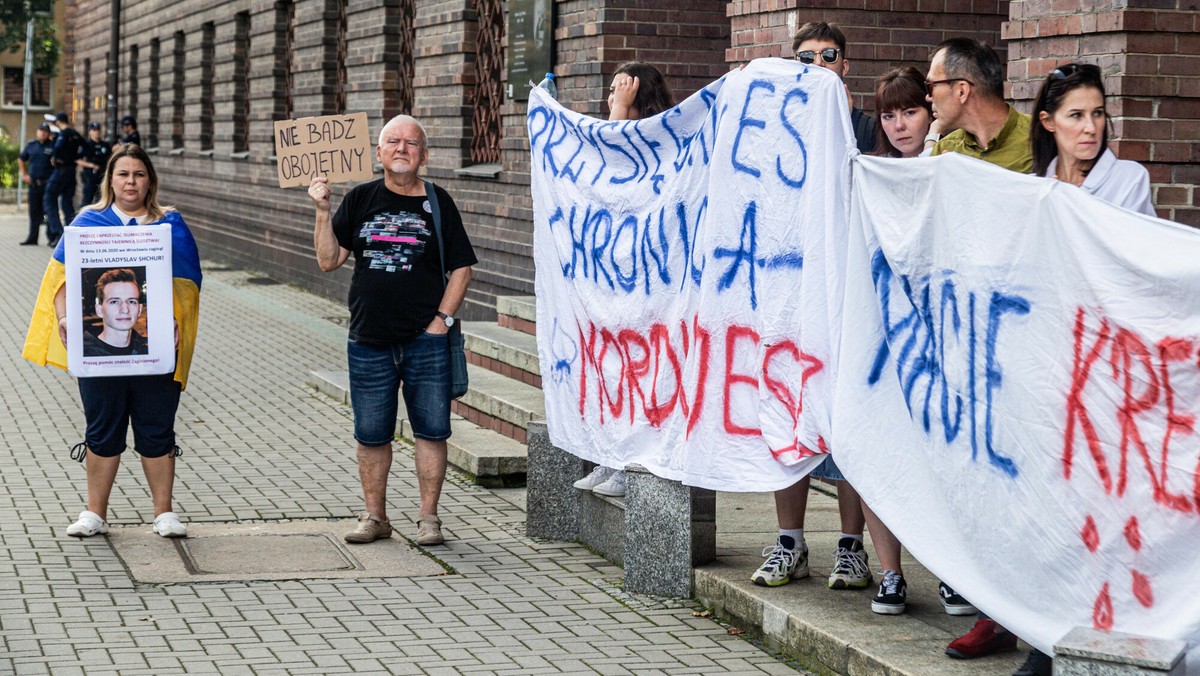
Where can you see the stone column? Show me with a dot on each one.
(552, 509)
(669, 528)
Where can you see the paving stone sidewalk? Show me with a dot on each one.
(259, 446)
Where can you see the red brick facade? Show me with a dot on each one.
(239, 215)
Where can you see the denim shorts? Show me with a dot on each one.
(828, 470)
(419, 368)
(111, 403)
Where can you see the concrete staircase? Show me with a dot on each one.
(489, 422)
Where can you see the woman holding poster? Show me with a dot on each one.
(129, 196)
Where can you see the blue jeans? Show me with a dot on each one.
(420, 369)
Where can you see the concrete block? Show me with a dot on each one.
(1098, 653)
(553, 504)
(669, 528)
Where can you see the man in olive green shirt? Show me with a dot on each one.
(966, 88)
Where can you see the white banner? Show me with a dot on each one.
(1007, 369)
(671, 253)
(1018, 394)
(120, 311)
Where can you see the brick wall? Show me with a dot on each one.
(880, 34)
(1151, 64)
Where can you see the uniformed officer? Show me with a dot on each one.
(92, 160)
(34, 165)
(129, 129)
(60, 191)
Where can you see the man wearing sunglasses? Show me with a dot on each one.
(966, 88)
(823, 45)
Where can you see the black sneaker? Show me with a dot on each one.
(891, 599)
(1037, 663)
(953, 602)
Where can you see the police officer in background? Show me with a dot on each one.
(34, 165)
(129, 129)
(92, 160)
(60, 191)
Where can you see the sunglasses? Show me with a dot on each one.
(828, 55)
(930, 84)
(1064, 72)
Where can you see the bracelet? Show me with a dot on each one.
(933, 136)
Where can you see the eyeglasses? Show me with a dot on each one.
(828, 55)
(930, 84)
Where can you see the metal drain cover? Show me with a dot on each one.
(257, 554)
(265, 551)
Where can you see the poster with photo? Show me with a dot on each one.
(120, 310)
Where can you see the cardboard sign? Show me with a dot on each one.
(119, 301)
(335, 146)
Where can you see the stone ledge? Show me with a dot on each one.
(521, 307)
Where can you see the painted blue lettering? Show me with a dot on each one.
(744, 254)
(745, 122)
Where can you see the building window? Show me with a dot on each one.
(178, 57)
(399, 40)
(487, 95)
(285, 44)
(134, 86)
(152, 130)
(14, 89)
(241, 83)
(338, 27)
(207, 105)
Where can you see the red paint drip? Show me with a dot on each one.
(1133, 534)
(1091, 535)
(1102, 612)
(1142, 590)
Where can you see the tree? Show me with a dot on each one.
(46, 48)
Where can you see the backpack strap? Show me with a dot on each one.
(436, 210)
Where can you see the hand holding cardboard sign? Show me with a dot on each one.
(318, 190)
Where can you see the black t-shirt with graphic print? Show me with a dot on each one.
(397, 285)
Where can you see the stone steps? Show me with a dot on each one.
(500, 403)
(518, 313)
(509, 352)
(488, 457)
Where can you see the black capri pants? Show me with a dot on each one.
(111, 403)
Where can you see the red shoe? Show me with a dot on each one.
(983, 639)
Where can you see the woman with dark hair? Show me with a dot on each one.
(904, 113)
(638, 91)
(1069, 139)
(128, 197)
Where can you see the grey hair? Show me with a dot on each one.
(405, 118)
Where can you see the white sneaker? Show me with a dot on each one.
(614, 487)
(782, 565)
(167, 525)
(89, 524)
(597, 477)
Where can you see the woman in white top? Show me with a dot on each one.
(1069, 139)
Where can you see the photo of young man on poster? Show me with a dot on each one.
(117, 327)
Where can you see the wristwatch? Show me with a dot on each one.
(446, 318)
(933, 136)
